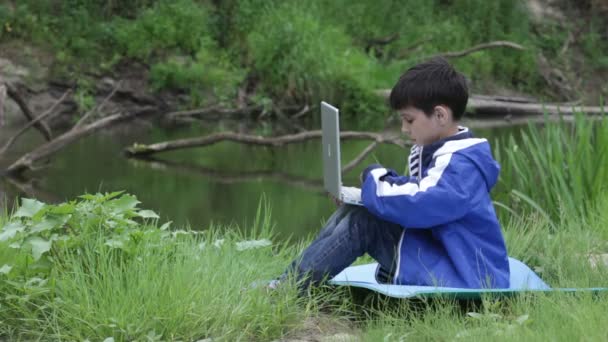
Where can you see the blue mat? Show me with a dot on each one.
(523, 279)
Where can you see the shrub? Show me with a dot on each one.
(299, 59)
(178, 26)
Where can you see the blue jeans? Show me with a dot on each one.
(348, 234)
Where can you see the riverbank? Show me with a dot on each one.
(148, 281)
(241, 58)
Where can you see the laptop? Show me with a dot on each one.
(332, 171)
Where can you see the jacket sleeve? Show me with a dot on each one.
(442, 196)
(390, 175)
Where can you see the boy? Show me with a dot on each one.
(436, 226)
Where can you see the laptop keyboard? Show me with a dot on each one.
(351, 193)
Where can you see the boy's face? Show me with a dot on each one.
(423, 129)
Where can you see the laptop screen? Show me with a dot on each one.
(332, 179)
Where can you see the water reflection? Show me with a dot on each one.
(219, 184)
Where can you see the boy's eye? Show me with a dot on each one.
(407, 119)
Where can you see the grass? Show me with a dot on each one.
(99, 267)
(559, 168)
(191, 286)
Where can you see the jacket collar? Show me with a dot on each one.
(430, 149)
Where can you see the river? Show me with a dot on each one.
(218, 185)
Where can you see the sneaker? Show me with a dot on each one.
(273, 285)
(269, 286)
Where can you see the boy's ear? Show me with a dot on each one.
(443, 114)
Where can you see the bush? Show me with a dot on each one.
(177, 26)
(299, 59)
(100, 267)
(209, 72)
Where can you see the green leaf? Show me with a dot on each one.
(114, 243)
(475, 315)
(5, 269)
(62, 209)
(148, 214)
(29, 208)
(10, 230)
(522, 319)
(251, 244)
(47, 224)
(39, 246)
(112, 195)
(88, 197)
(166, 225)
(124, 203)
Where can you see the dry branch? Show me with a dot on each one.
(2, 98)
(511, 121)
(213, 111)
(42, 116)
(484, 104)
(518, 108)
(16, 96)
(358, 159)
(27, 161)
(230, 177)
(490, 45)
(381, 41)
(96, 109)
(403, 53)
(140, 150)
(305, 110)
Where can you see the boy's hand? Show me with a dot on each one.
(336, 201)
(366, 171)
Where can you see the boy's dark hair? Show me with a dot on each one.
(431, 83)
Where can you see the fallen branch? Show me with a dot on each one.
(141, 150)
(490, 45)
(96, 109)
(305, 110)
(42, 116)
(41, 126)
(29, 188)
(492, 105)
(381, 41)
(27, 161)
(510, 121)
(2, 98)
(358, 159)
(213, 111)
(230, 177)
(403, 53)
(483, 106)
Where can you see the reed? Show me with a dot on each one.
(557, 169)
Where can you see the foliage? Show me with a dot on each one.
(595, 45)
(301, 60)
(65, 267)
(38, 230)
(209, 71)
(287, 51)
(559, 168)
(176, 26)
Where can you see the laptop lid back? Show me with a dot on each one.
(332, 179)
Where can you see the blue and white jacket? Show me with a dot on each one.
(451, 235)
